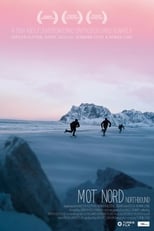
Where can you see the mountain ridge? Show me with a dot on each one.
(90, 113)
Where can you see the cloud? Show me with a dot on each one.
(145, 93)
(56, 90)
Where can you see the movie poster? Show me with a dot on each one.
(76, 115)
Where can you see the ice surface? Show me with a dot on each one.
(13, 221)
(68, 161)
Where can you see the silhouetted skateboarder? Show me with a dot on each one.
(104, 125)
(73, 125)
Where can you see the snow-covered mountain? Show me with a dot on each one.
(133, 117)
(94, 114)
(88, 113)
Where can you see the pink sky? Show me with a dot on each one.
(43, 78)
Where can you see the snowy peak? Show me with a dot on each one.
(92, 111)
(134, 116)
(87, 112)
(94, 114)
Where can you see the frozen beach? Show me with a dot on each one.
(69, 161)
